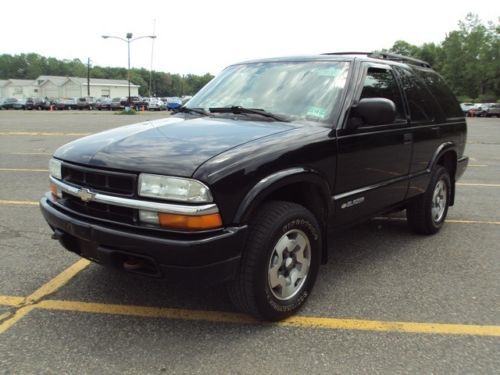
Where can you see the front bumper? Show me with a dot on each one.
(207, 258)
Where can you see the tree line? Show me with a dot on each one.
(468, 58)
(32, 65)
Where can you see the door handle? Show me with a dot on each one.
(407, 138)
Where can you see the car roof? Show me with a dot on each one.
(376, 57)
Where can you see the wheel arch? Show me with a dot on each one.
(299, 185)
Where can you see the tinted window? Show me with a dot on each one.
(380, 83)
(423, 107)
(442, 93)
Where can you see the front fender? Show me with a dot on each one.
(275, 181)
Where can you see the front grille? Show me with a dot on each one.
(100, 210)
(100, 180)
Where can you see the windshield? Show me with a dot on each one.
(295, 90)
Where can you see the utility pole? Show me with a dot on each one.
(151, 65)
(88, 76)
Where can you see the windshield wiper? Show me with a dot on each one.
(236, 109)
(191, 110)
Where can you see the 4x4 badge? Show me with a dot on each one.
(86, 195)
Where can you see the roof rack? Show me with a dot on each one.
(396, 57)
(386, 56)
(346, 53)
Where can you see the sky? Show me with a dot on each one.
(204, 36)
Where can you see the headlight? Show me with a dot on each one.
(173, 188)
(55, 168)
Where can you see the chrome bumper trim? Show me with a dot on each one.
(170, 208)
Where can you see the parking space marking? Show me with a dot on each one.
(58, 281)
(477, 165)
(11, 300)
(13, 319)
(23, 170)
(44, 134)
(308, 322)
(18, 203)
(30, 302)
(25, 153)
(477, 184)
(453, 221)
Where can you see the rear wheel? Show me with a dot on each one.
(427, 213)
(280, 262)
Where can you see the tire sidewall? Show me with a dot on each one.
(441, 174)
(266, 301)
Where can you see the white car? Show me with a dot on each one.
(156, 104)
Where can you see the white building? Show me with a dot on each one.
(65, 87)
(19, 88)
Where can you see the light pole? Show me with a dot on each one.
(129, 40)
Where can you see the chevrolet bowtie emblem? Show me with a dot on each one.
(86, 195)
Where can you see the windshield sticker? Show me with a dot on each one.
(317, 112)
(328, 72)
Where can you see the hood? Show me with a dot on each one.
(173, 146)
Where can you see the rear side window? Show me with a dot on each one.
(380, 83)
(423, 107)
(442, 93)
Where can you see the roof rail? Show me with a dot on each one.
(396, 57)
(386, 56)
(346, 53)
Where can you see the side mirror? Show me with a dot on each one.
(373, 111)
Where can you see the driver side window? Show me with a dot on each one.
(380, 83)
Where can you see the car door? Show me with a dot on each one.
(373, 161)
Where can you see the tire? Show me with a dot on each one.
(427, 213)
(275, 228)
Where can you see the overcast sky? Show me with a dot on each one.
(199, 36)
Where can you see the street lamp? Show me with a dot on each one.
(129, 40)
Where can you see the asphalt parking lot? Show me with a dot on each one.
(388, 301)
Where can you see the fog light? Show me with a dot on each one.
(150, 217)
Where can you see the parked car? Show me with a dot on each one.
(87, 102)
(19, 104)
(156, 104)
(493, 110)
(103, 104)
(466, 107)
(62, 104)
(118, 103)
(173, 103)
(477, 110)
(246, 183)
(9, 103)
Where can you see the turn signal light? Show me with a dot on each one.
(201, 222)
(56, 194)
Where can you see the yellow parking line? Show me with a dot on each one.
(295, 321)
(58, 281)
(44, 134)
(18, 203)
(477, 165)
(18, 315)
(50, 287)
(455, 221)
(477, 184)
(23, 170)
(11, 300)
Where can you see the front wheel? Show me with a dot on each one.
(427, 213)
(280, 262)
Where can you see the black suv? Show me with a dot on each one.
(245, 182)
